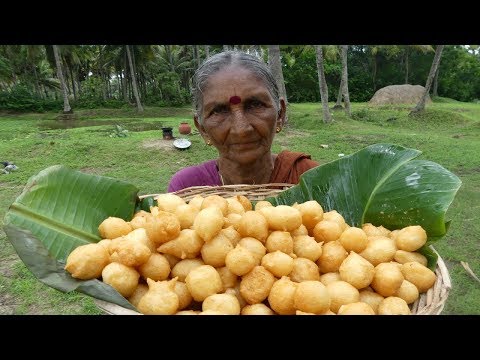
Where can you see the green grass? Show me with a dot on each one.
(447, 133)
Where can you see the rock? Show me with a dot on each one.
(399, 94)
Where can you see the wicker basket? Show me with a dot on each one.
(429, 303)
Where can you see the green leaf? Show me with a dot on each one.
(380, 184)
(61, 209)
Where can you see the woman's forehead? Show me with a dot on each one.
(233, 80)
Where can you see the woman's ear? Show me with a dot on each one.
(282, 114)
(200, 127)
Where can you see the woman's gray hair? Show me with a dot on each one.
(221, 60)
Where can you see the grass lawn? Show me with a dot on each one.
(447, 133)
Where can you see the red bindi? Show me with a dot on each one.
(235, 100)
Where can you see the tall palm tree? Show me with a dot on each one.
(134, 80)
(346, 96)
(436, 60)
(66, 105)
(327, 118)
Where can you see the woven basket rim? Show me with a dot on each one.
(431, 302)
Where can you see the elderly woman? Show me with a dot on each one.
(238, 110)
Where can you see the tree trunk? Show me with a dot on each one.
(276, 67)
(207, 51)
(124, 84)
(66, 105)
(196, 53)
(36, 83)
(134, 81)
(435, 81)
(346, 96)
(327, 118)
(406, 66)
(72, 79)
(436, 61)
(374, 76)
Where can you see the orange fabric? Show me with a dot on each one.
(290, 165)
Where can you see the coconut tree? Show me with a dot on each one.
(327, 118)
(66, 105)
(433, 69)
(346, 96)
(134, 80)
(275, 63)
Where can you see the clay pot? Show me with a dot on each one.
(167, 133)
(184, 128)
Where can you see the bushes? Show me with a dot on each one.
(20, 99)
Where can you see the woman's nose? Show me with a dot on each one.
(240, 123)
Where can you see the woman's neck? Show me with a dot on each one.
(258, 172)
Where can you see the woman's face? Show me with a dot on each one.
(243, 131)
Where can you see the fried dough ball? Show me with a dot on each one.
(172, 260)
(183, 267)
(139, 219)
(327, 231)
(169, 202)
(184, 296)
(224, 303)
(402, 257)
(312, 214)
(196, 202)
(333, 254)
(357, 308)
(235, 207)
(393, 305)
(247, 204)
(281, 241)
(282, 217)
(307, 247)
(261, 204)
(231, 234)
(304, 269)
(282, 296)
(255, 247)
(186, 214)
(122, 278)
(379, 249)
(186, 246)
(341, 293)
(255, 286)
(301, 230)
(371, 298)
(113, 227)
(208, 222)
(335, 216)
(411, 238)
(162, 227)
(354, 239)
(211, 312)
(215, 251)
(160, 299)
(156, 268)
(140, 235)
(240, 260)
(387, 279)
(372, 230)
(137, 295)
(105, 243)
(278, 263)
(215, 201)
(329, 277)
(312, 297)
(130, 253)
(203, 281)
(420, 276)
(257, 309)
(298, 312)
(87, 261)
(408, 292)
(236, 291)
(187, 312)
(356, 271)
(253, 224)
(232, 220)
(229, 279)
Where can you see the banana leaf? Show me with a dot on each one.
(381, 184)
(58, 210)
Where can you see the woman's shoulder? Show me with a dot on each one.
(204, 174)
(295, 157)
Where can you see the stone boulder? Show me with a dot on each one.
(399, 94)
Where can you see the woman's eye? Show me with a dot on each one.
(219, 110)
(254, 104)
